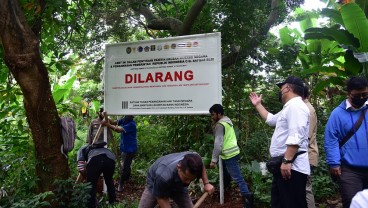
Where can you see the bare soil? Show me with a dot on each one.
(232, 198)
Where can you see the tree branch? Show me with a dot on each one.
(191, 16)
(230, 58)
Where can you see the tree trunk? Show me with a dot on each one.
(23, 58)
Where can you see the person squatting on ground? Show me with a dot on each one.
(169, 177)
(93, 160)
(312, 147)
(290, 137)
(128, 145)
(93, 128)
(226, 147)
(347, 156)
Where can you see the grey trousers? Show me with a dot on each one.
(149, 201)
(352, 180)
(310, 197)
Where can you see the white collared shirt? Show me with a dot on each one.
(348, 105)
(292, 128)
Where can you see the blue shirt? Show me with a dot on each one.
(128, 138)
(354, 152)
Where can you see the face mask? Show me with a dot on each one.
(280, 95)
(358, 102)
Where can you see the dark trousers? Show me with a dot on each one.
(352, 180)
(97, 165)
(289, 193)
(126, 169)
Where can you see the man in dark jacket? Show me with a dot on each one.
(92, 161)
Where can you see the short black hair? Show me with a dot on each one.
(193, 163)
(356, 83)
(217, 108)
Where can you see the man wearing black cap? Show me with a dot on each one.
(289, 139)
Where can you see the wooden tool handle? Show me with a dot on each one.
(200, 200)
(100, 128)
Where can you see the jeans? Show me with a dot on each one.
(232, 167)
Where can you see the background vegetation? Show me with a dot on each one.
(69, 38)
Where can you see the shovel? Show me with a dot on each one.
(200, 200)
(99, 131)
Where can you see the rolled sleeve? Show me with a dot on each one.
(271, 119)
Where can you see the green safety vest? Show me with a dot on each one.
(230, 147)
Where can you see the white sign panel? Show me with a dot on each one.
(180, 75)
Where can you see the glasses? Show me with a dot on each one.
(359, 95)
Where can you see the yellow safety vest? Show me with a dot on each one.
(230, 147)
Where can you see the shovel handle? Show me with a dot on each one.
(200, 200)
(99, 129)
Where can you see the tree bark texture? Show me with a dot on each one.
(23, 58)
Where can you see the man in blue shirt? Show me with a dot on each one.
(128, 145)
(349, 161)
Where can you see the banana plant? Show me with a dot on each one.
(350, 33)
(321, 58)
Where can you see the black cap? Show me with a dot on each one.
(292, 80)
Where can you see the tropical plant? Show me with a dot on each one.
(349, 33)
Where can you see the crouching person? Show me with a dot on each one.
(169, 177)
(92, 161)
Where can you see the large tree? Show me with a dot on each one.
(21, 49)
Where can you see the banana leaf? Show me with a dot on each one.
(334, 15)
(356, 23)
(341, 36)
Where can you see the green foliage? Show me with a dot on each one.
(70, 195)
(356, 23)
(261, 140)
(67, 194)
(123, 204)
(260, 184)
(38, 201)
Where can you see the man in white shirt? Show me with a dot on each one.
(289, 138)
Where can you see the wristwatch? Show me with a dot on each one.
(286, 161)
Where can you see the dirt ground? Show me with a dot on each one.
(132, 192)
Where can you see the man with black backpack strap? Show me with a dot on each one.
(290, 139)
(93, 160)
(346, 141)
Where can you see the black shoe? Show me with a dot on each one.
(248, 200)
